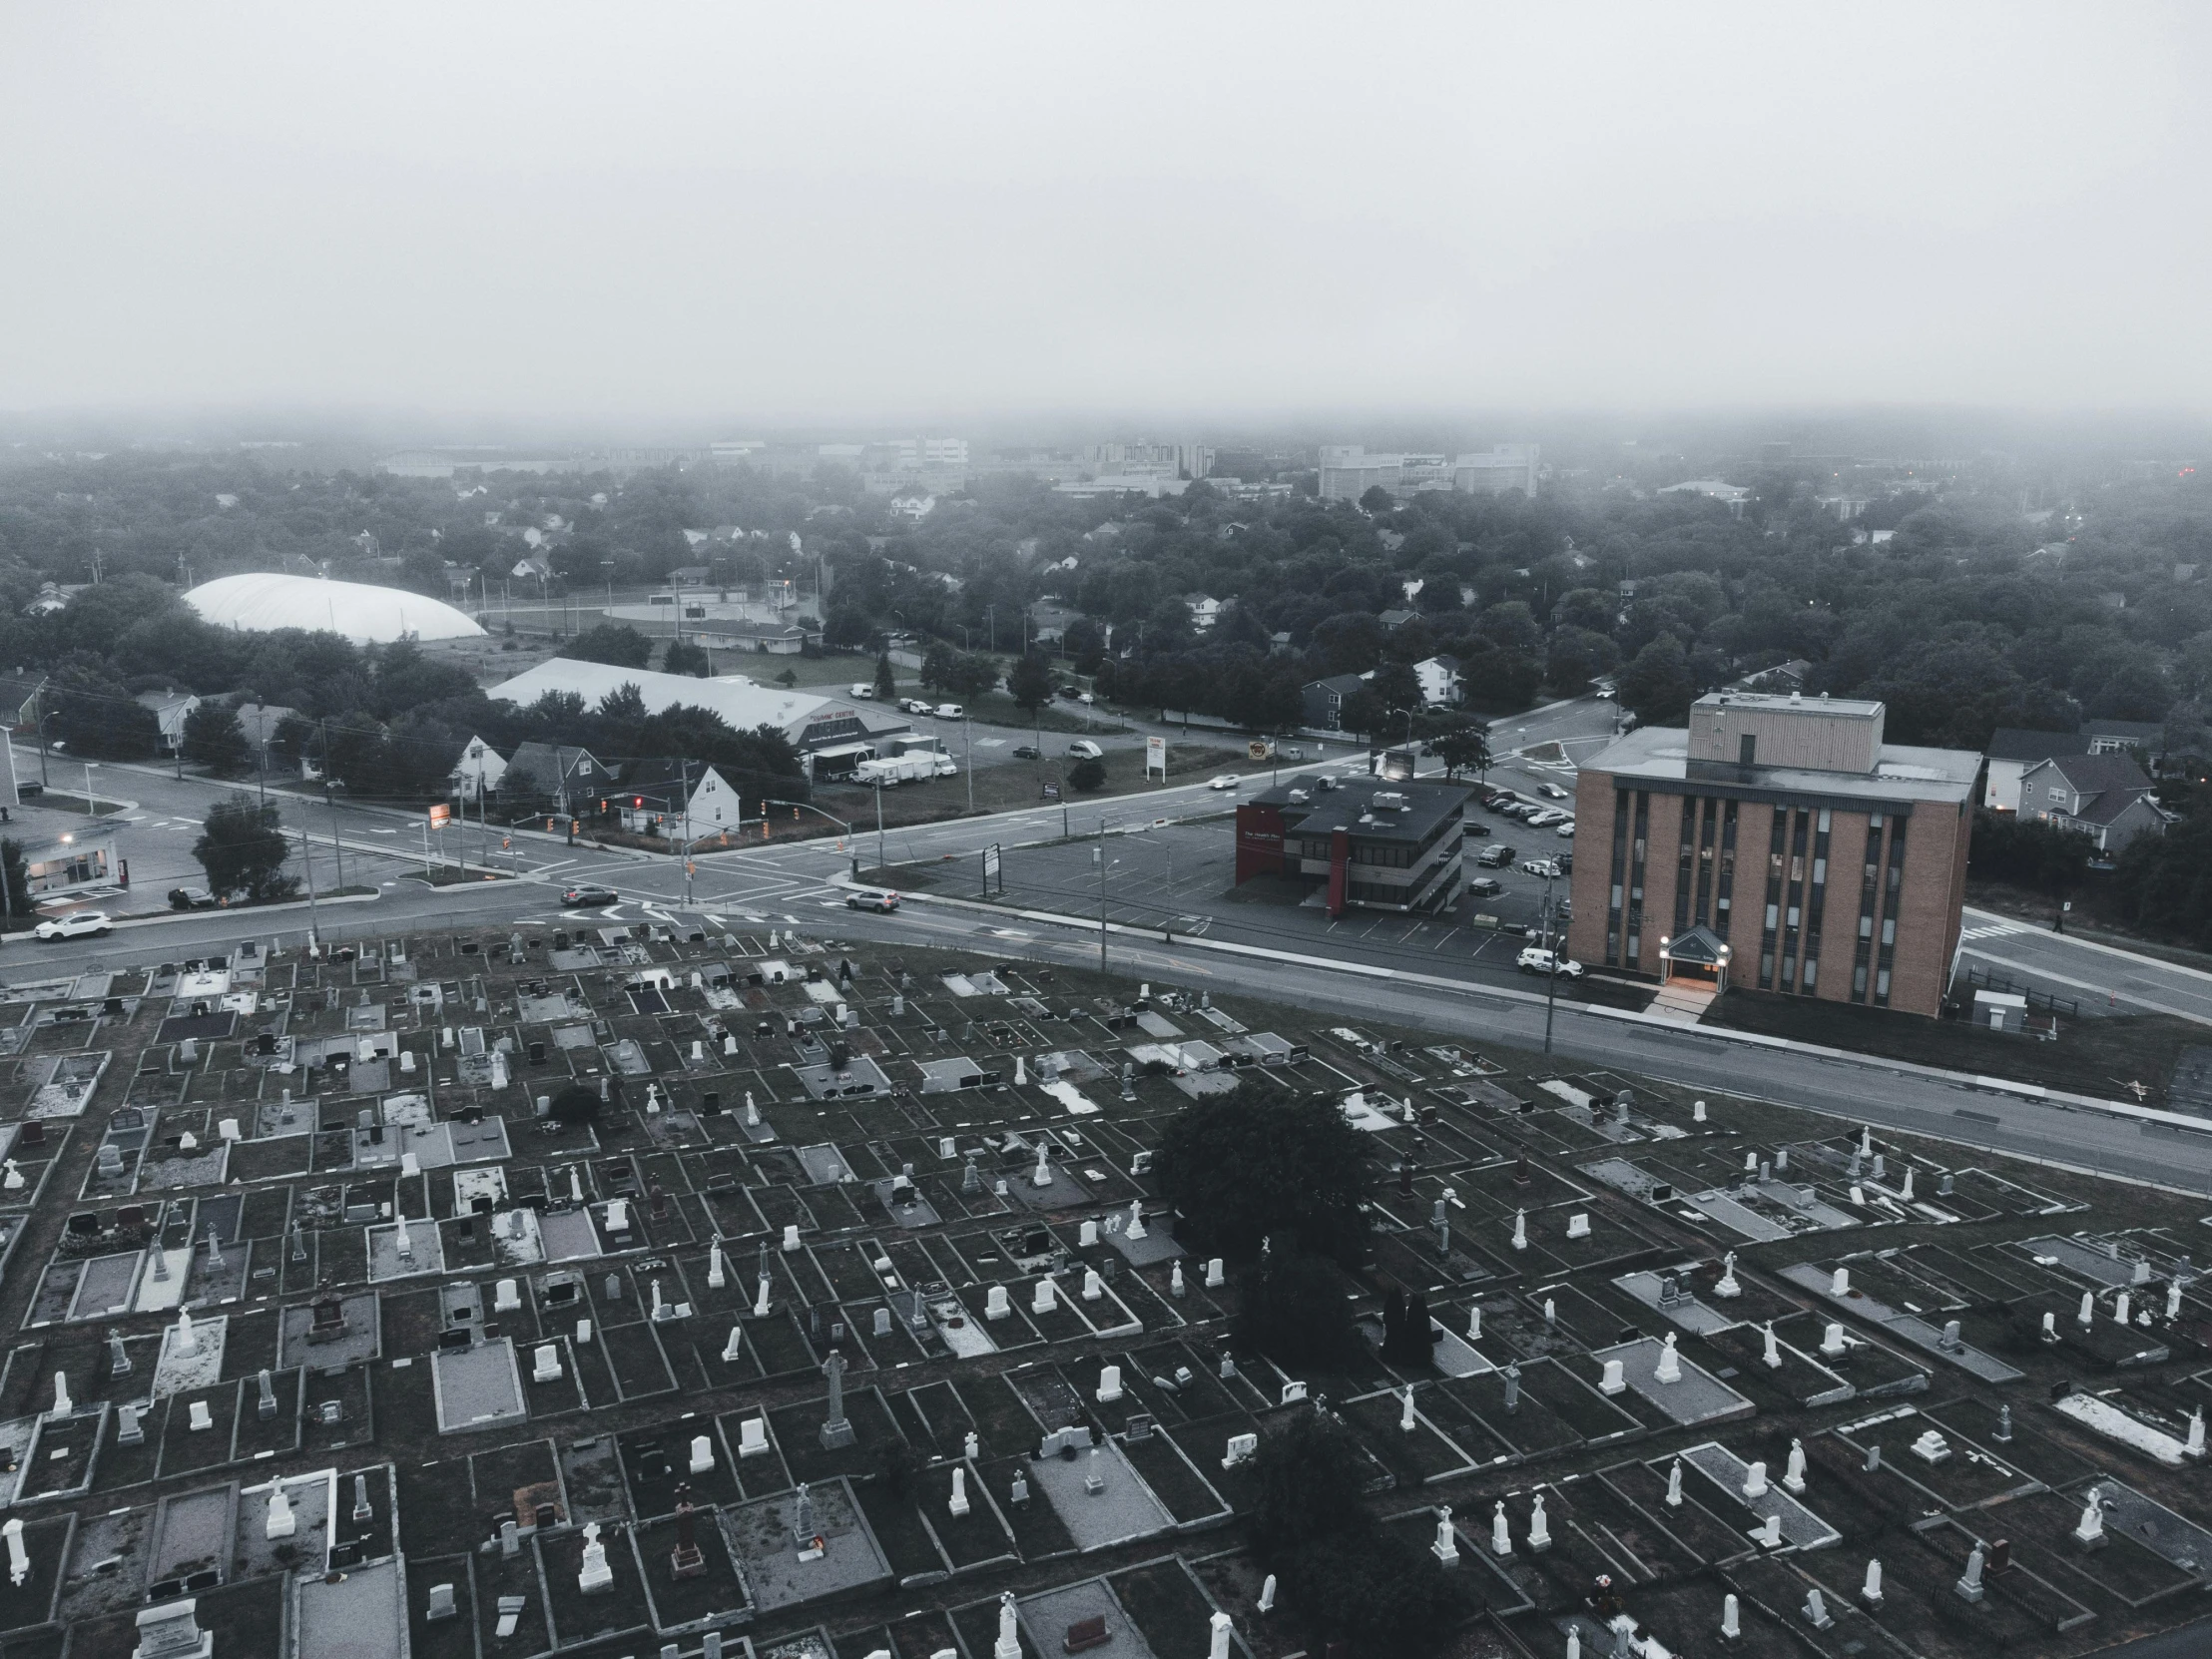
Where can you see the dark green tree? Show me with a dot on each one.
(93, 715)
(1293, 1308)
(214, 738)
(886, 683)
(1256, 1161)
(1030, 684)
(609, 642)
(242, 849)
(1087, 777)
(683, 657)
(19, 879)
(1656, 686)
(1464, 745)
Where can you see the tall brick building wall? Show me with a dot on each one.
(1840, 879)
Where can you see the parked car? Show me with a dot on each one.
(1485, 886)
(912, 706)
(1496, 856)
(1225, 781)
(580, 898)
(949, 711)
(880, 899)
(1519, 930)
(1537, 959)
(191, 898)
(1027, 752)
(75, 925)
(1565, 832)
(1290, 752)
(1565, 860)
(1539, 867)
(1085, 750)
(1544, 817)
(857, 689)
(1496, 803)
(1479, 828)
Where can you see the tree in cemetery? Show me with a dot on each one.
(575, 1106)
(242, 849)
(214, 738)
(1408, 1335)
(1340, 1571)
(1256, 1161)
(1294, 1309)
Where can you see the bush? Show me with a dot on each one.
(2009, 847)
(1293, 1310)
(1087, 777)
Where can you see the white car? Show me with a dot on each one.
(1537, 959)
(1226, 780)
(75, 925)
(1545, 818)
(1565, 832)
(1539, 867)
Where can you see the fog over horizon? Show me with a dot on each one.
(844, 218)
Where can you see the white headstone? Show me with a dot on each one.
(998, 1305)
(753, 1437)
(1614, 1382)
(280, 1522)
(596, 1577)
(1109, 1385)
(1670, 1363)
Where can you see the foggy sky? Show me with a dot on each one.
(753, 216)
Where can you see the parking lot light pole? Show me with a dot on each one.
(1101, 856)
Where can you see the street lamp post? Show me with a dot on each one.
(89, 767)
(1101, 856)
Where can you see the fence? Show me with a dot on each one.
(1983, 979)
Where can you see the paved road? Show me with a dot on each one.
(2094, 975)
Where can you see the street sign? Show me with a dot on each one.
(1052, 792)
(438, 815)
(1156, 757)
(1258, 749)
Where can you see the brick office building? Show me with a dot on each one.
(1379, 848)
(1778, 842)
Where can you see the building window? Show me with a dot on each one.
(1685, 856)
(1640, 840)
(1727, 889)
(1894, 881)
(1619, 873)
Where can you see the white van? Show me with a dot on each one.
(1085, 750)
(857, 690)
(951, 710)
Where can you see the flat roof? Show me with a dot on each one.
(1848, 707)
(1350, 807)
(1661, 755)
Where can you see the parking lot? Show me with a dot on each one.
(1181, 878)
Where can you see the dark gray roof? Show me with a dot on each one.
(1350, 806)
(2013, 743)
(2110, 784)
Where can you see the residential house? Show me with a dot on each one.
(536, 568)
(1395, 620)
(170, 710)
(1781, 679)
(541, 775)
(778, 639)
(2117, 736)
(1205, 611)
(1325, 700)
(1440, 679)
(2012, 752)
(2106, 796)
(478, 772)
(259, 721)
(654, 799)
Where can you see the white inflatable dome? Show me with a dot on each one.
(264, 600)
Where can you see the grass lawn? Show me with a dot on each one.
(2094, 1055)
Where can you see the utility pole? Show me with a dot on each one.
(1102, 893)
(39, 698)
(337, 850)
(306, 857)
(687, 796)
(1552, 979)
(968, 757)
(879, 828)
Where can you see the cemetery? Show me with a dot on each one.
(628, 1292)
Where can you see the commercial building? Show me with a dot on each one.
(1394, 848)
(1778, 842)
(1348, 471)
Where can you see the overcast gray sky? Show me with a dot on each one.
(873, 214)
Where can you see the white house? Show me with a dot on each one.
(1439, 680)
(654, 803)
(170, 710)
(479, 770)
(1205, 611)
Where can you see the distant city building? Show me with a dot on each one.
(1348, 471)
(929, 454)
(1380, 849)
(1732, 497)
(1780, 844)
(1176, 460)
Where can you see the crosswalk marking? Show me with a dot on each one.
(1991, 930)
